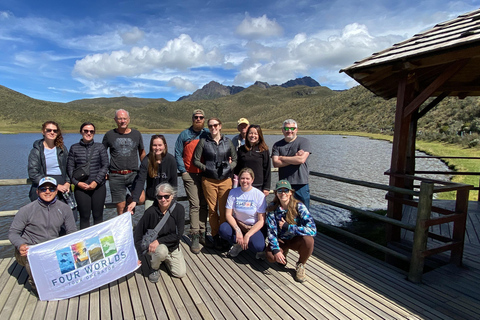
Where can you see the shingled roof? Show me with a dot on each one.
(451, 44)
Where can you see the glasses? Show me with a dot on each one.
(51, 130)
(44, 189)
(199, 117)
(89, 131)
(166, 197)
(283, 191)
(289, 128)
(213, 125)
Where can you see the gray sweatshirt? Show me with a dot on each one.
(38, 222)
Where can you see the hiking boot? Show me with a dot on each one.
(260, 255)
(154, 276)
(217, 242)
(300, 272)
(195, 247)
(235, 250)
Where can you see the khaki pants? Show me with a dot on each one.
(216, 194)
(196, 200)
(174, 260)
(23, 261)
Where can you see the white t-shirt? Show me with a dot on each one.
(245, 205)
(51, 159)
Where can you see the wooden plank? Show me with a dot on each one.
(51, 309)
(83, 306)
(177, 303)
(9, 279)
(73, 311)
(30, 307)
(127, 310)
(136, 301)
(62, 309)
(12, 300)
(105, 302)
(21, 306)
(148, 309)
(115, 304)
(94, 305)
(153, 292)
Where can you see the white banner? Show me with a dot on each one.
(82, 261)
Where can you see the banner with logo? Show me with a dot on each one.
(82, 261)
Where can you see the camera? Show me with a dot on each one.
(223, 165)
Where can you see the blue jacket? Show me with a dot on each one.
(186, 136)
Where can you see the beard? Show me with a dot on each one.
(198, 126)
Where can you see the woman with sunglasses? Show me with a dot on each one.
(254, 154)
(289, 226)
(216, 157)
(166, 248)
(245, 216)
(48, 157)
(157, 167)
(90, 190)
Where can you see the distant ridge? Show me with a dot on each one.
(214, 90)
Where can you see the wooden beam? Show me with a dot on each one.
(432, 104)
(440, 80)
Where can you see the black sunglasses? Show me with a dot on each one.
(51, 130)
(166, 197)
(89, 131)
(44, 189)
(199, 117)
(213, 125)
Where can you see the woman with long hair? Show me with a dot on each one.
(254, 154)
(90, 191)
(157, 167)
(289, 226)
(48, 157)
(216, 157)
(245, 216)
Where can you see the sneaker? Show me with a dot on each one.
(260, 255)
(154, 276)
(195, 247)
(235, 250)
(300, 272)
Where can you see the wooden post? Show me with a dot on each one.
(421, 232)
(459, 226)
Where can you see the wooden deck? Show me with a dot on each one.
(342, 284)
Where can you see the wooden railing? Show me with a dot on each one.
(424, 220)
(424, 204)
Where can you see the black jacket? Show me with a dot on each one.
(213, 158)
(259, 162)
(171, 232)
(37, 167)
(98, 164)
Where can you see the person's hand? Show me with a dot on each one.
(131, 206)
(246, 238)
(281, 223)
(266, 192)
(82, 185)
(23, 249)
(139, 263)
(93, 185)
(153, 246)
(63, 187)
(280, 258)
(300, 153)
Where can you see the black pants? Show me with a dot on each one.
(91, 201)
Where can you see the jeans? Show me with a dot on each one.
(256, 243)
(196, 200)
(302, 193)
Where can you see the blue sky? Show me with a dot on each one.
(67, 50)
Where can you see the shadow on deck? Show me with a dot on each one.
(342, 284)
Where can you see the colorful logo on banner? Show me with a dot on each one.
(85, 260)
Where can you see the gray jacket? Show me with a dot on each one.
(38, 222)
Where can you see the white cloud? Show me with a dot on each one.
(256, 28)
(4, 15)
(133, 36)
(182, 84)
(180, 53)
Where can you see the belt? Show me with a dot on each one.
(121, 171)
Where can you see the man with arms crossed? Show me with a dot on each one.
(40, 221)
(124, 144)
(192, 178)
(290, 156)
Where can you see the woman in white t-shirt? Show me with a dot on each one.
(245, 214)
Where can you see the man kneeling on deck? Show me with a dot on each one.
(164, 222)
(40, 221)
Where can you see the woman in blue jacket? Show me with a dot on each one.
(90, 191)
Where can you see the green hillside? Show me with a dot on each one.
(315, 108)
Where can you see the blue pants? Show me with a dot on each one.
(302, 193)
(256, 242)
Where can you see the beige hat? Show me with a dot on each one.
(242, 120)
(198, 111)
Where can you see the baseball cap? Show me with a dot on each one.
(283, 184)
(47, 180)
(198, 111)
(242, 120)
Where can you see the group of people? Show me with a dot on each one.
(210, 164)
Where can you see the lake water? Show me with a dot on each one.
(346, 156)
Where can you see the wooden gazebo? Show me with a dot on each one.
(440, 62)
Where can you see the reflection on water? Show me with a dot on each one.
(346, 156)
